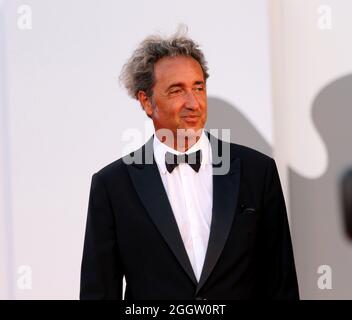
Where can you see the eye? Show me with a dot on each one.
(175, 92)
(199, 89)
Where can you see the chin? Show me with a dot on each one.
(190, 132)
(190, 127)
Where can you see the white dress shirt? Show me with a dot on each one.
(190, 194)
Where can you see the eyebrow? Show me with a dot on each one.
(181, 84)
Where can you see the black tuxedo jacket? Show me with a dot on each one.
(131, 231)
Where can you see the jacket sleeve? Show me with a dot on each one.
(101, 269)
(278, 278)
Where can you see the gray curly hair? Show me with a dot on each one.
(138, 73)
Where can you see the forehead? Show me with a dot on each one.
(177, 69)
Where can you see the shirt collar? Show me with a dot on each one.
(202, 144)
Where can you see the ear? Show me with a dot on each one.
(145, 103)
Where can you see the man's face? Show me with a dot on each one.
(179, 99)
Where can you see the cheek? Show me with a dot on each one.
(176, 110)
(168, 115)
(205, 109)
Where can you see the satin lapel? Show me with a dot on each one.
(225, 194)
(149, 187)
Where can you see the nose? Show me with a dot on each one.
(191, 102)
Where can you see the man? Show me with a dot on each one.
(173, 219)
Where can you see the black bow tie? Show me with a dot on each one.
(173, 160)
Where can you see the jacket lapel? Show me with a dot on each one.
(149, 187)
(225, 195)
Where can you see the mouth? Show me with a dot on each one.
(191, 119)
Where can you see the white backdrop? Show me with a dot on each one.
(64, 114)
(311, 54)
